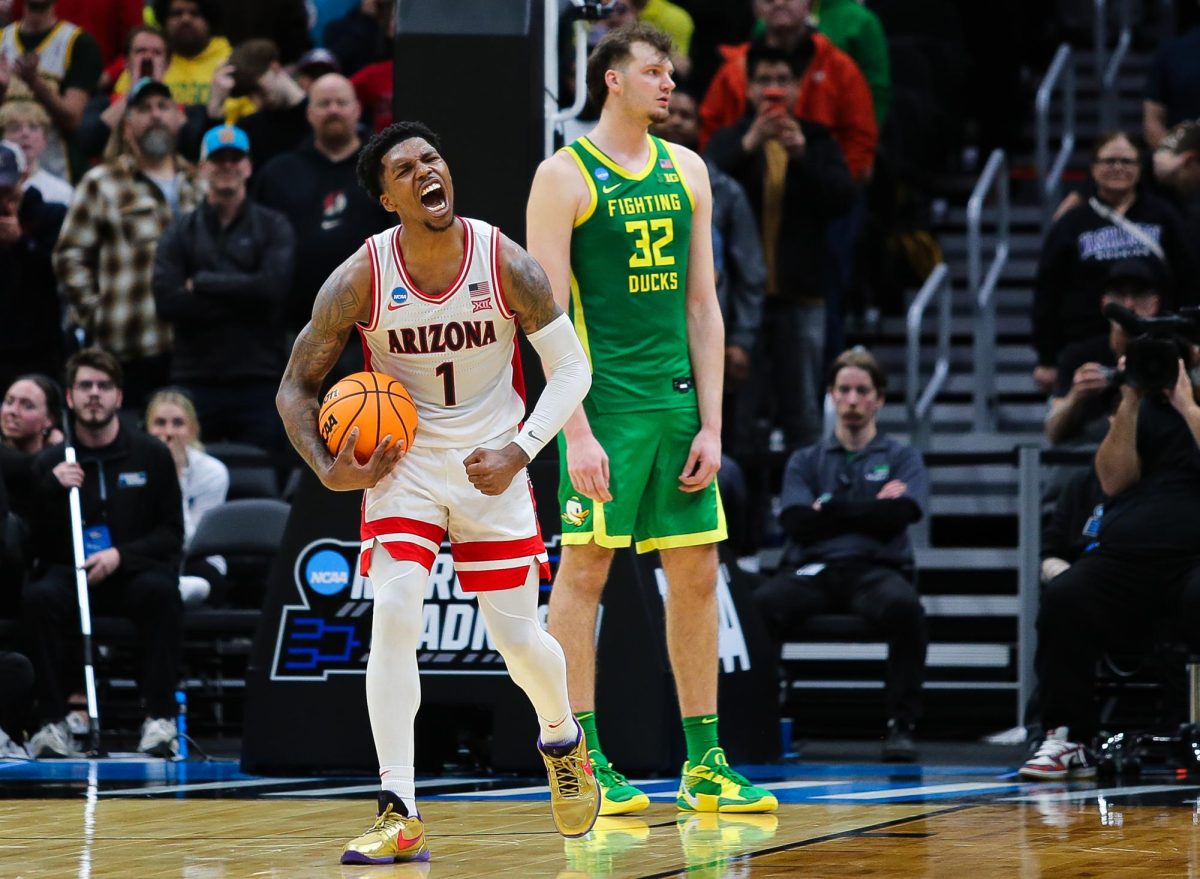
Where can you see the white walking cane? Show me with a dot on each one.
(81, 592)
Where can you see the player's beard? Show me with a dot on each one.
(447, 224)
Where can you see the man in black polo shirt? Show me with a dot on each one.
(1082, 399)
(847, 504)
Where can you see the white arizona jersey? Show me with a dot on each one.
(456, 352)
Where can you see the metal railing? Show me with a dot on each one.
(1108, 66)
(1060, 76)
(920, 406)
(552, 115)
(983, 288)
(1029, 569)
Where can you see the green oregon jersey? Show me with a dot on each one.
(629, 269)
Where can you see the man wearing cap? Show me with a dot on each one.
(314, 64)
(221, 273)
(1080, 403)
(30, 335)
(105, 255)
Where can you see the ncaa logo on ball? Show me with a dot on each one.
(327, 572)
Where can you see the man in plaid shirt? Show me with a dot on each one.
(105, 255)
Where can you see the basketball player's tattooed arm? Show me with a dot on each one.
(526, 288)
(343, 301)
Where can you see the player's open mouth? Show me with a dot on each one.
(433, 197)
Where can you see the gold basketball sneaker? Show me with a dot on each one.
(395, 837)
(574, 793)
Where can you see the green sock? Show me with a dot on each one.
(587, 720)
(701, 735)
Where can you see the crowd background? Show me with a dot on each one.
(177, 178)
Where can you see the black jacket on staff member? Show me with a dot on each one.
(130, 486)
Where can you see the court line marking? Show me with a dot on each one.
(206, 785)
(1067, 796)
(829, 837)
(964, 787)
(364, 788)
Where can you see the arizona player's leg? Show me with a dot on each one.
(393, 696)
(536, 664)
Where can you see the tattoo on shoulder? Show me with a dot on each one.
(528, 290)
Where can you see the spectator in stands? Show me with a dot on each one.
(1074, 524)
(30, 315)
(31, 413)
(16, 698)
(373, 87)
(669, 18)
(133, 538)
(56, 64)
(363, 35)
(316, 188)
(797, 181)
(145, 53)
(284, 22)
(1177, 170)
(315, 63)
(27, 124)
(107, 21)
(1085, 368)
(1172, 88)
(847, 503)
(832, 90)
(741, 271)
(195, 53)
(203, 483)
(280, 119)
(1119, 222)
(221, 274)
(105, 256)
(30, 420)
(1142, 570)
(857, 31)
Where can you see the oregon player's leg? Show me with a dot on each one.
(685, 528)
(574, 603)
(536, 664)
(393, 696)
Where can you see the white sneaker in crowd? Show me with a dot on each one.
(160, 738)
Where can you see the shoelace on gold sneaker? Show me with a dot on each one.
(566, 775)
(389, 820)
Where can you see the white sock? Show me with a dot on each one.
(400, 781)
(393, 682)
(535, 660)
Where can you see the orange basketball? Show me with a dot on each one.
(376, 404)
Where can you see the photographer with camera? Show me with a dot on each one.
(1082, 396)
(1145, 563)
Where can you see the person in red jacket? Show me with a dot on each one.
(832, 91)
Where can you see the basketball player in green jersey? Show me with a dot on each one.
(621, 222)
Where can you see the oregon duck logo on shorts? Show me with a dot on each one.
(575, 514)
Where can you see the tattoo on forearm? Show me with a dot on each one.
(528, 292)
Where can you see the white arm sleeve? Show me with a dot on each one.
(570, 377)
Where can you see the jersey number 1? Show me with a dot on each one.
(446, 371)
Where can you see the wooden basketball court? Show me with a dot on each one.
(151, 820)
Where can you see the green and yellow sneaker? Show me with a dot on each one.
(713, 786)
(617, 795)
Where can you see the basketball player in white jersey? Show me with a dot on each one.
(436, 300)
